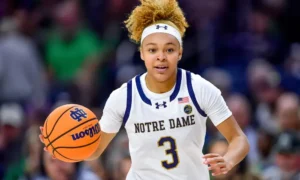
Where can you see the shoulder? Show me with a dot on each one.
(200, 84)
(119, 94)
(116, 102)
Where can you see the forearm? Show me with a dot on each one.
(104, 141)
(237, 150)
(95, 155)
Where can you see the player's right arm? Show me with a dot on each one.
(104, 142)
(111, 120)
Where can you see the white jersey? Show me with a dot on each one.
(166, 131)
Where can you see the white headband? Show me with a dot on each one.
(161, 28)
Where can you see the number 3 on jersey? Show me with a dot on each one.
(172, 151)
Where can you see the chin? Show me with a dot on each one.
(161, 77)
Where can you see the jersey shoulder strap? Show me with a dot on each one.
(192, 93)
(128, 102)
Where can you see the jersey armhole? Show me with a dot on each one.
(128, 102)
(192, 93)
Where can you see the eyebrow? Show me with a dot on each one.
(169, 43)
(150, 44)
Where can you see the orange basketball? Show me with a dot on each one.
(71, 133)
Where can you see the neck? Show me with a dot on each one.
(160, 87)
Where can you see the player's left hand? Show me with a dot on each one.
(217, 164)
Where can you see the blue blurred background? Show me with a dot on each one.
(54, 52)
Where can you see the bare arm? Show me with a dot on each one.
(106, 138)
(236, 152)
(238, 142)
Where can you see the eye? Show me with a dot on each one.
(151, 50)
(170, 50)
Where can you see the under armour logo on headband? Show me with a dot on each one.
(161, 28)
(158, 27)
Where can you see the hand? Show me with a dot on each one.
(42, 140)
(217, 164)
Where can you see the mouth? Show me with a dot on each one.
(161, 67)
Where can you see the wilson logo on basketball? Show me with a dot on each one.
(88, 132)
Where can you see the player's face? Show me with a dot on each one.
(161, 53)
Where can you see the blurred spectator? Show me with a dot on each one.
(21, 75)
(265, 144)
(29, 166)
(241, 110)
(93, 170)
(11, 122)
(116, 151)
(58, 170)
(287, 111)
(292, 64)
(264, 86)
(123, 168)
(72, 53)
(204, 18)
(262, 42)
(221, 79)
(287, 149)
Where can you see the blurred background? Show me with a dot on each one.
(54, 52)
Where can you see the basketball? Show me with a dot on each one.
(71, 133)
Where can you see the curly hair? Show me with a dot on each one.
(155, 11)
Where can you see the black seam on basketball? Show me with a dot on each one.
(47, 132)
(49, 139)
(55, 150)
(69, 147)
(48, 135)
(66, 157)
(50, 143)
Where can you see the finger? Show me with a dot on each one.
(41, 138)
(210, 155)
(45, 149)
(41, 129)
(217, 166)
(214, 160)
(224, 170)
(53, 157)
(216, 174)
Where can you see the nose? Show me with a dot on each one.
(161, 56)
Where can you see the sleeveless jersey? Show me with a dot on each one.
(166, 131)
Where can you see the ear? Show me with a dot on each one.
(180, 54)
(141, 53)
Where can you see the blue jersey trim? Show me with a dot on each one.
(177, 86)
(192, 94)
(172, 96)
(140, 90)
(128, 102)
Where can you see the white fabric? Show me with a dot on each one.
(145, 153)
(210, 100)
(161, 28)
(114, 110)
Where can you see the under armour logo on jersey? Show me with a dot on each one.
(78, 114)
(164, 105)
(158, 27)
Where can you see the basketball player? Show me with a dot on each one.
(164, 111)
